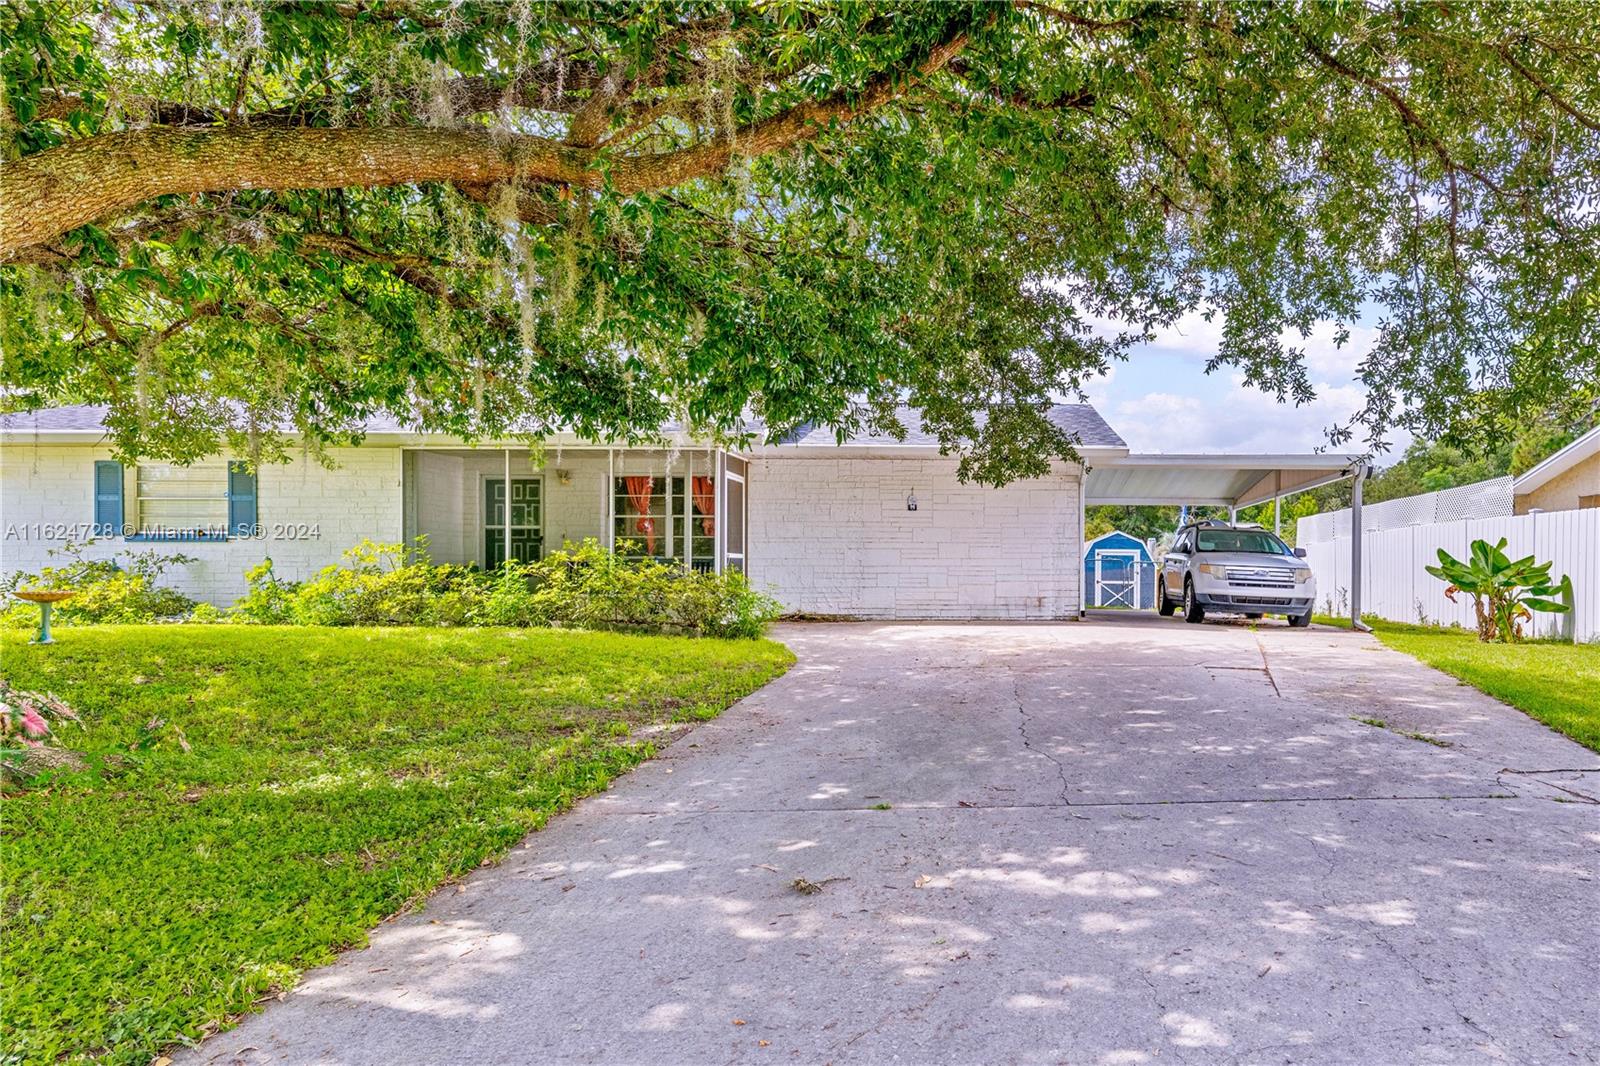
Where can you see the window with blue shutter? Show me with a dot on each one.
(241, 500)
(107, 498)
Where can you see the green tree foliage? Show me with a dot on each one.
(233, 220)
(1141, 523)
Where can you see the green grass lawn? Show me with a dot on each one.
(1555, 683)
(332, 778)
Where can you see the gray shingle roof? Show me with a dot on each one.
(77, 417)
(90, 418)
(1078, 420)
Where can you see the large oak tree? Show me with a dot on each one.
(231, 219)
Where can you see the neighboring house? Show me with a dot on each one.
(872, 527)
(1569, 480)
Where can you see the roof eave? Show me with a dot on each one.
(1555, 465)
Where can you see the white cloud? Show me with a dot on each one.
(1098, 391)
(1232, 418)
(1161, 400)
(1191, 336)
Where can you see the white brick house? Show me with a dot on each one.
(827, 528)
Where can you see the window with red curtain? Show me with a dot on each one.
(705, 502)
(640, 490)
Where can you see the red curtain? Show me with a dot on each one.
(639, 489)
(705, 501)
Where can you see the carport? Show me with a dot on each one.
(1231, 481)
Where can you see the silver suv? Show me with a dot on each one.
(1242, 569)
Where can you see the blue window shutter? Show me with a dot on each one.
(107, 498)
(241, 500)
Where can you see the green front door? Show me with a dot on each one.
(526, 526)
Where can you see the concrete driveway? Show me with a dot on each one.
(1119, 841)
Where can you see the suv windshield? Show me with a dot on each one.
(1241, 540)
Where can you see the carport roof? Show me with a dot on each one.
(1215, 479)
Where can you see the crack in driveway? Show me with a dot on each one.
(1024, 720)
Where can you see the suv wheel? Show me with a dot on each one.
(1164, 606)
(1300, 621)
(1192, 611)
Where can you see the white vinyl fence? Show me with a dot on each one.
(1481, 499)
(1395, 585)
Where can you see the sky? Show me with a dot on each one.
(1162, 400)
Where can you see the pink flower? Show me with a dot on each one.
(34, 723)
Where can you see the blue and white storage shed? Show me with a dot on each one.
(1118, 572)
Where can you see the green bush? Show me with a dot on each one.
(124, 588)
(589, 587)
(582, 587)
(376, 585)
(1504, 591)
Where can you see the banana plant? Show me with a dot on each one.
(1504, 591)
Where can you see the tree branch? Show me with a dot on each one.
(91, 306)
(1539, 83)
(1408, 116)
(414, 270)
(801, 123)
(81, 181)
(1076, 21)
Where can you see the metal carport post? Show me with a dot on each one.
(1359, 476)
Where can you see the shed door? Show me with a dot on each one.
(1116, 578)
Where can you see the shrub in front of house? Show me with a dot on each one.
(375, 585)
(585, 587)
(124, 588)
(1504, 591)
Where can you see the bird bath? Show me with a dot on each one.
(44, 598)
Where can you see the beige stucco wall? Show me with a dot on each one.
(1561, 492)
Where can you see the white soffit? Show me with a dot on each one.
(1218, 480)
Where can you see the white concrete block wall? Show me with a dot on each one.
(833, 536)
(310, 515)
